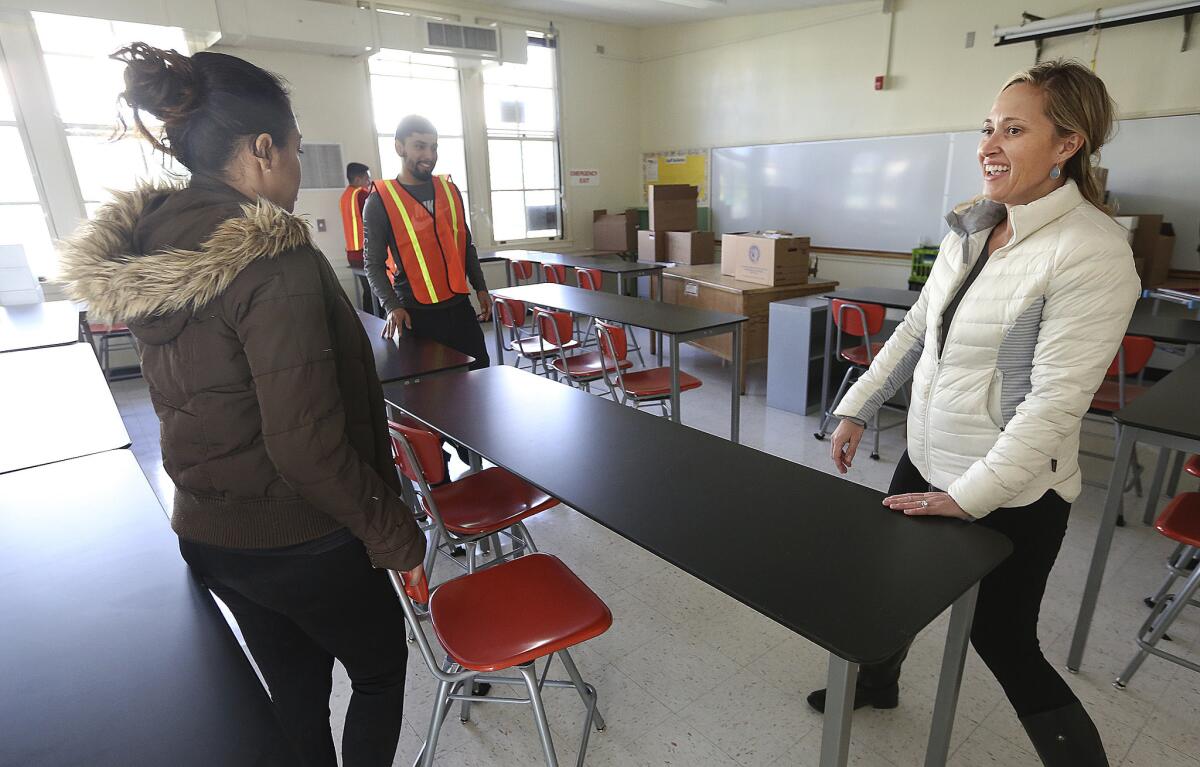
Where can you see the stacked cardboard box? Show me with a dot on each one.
(765, 258)
(1153, 244)
(614, 231)
(672, 235)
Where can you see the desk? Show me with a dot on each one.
(56, 405)
(110, 651)
(704, 287)
(364, 284)
(681, 323)
(816, 553)
(54, 323)
(889, 298)
(1163, 416)
(408, 357)
(1168, 330)
(608, 264)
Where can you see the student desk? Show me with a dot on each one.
(608, 264)
(1168, 330)
(54, 323)
(816, 553)
(111, 652)
(56, 405)
(408, 357)
(889, 298)
(1165, 416)
(681, 323)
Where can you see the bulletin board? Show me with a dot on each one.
(689, 166)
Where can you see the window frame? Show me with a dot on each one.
(17, 122)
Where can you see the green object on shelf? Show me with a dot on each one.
(703, 219)
(922, 264)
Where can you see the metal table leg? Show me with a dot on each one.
(658, 336)
(839, 708)
(950, 680)
(508, 278)
(826, 364)
(735, 414)
(1152, 496)
(1108, 523)
(1176, 471)
(674, 376)
(499, 328)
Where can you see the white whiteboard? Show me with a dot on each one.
(891, 193)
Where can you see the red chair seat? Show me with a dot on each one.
(587, 365)
(488, 501)
(102, 329)
(657, 382)
(1180, 521)
(483, 626)
(1108, 396)
(857, 355)
(532, 347)
(1193, 465)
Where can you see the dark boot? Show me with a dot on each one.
(883, 697)
(1065, 737)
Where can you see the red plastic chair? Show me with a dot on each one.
(640, 387)
(1180, 522)
(522, 270)
(1193, 465)
(862, 321)
(589, 279)
(508, 616)
(555, 273)
(464, 512)
(580, 369)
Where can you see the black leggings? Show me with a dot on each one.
(455, 326)
(299, 611)
(1006, 615)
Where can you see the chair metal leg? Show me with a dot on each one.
(539, 712)
(440, 707)
(833, 406)
(1164, 614)
(585, 690)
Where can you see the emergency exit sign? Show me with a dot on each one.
(584, 177)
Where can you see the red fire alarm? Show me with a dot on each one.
(878, 82)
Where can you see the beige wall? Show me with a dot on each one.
(808, 74)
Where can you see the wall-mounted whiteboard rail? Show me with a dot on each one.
(891, 193)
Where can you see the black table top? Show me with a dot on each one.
(640, 312)
(1169, 407)
(408, 356)
(816, 553)
(56, 405)
(110, 651)
(1173, 330)
(613, 264)
(891, 298)
(54, 323)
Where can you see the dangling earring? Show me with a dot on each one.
(1055, 172)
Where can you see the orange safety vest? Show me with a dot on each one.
(351, 206)
(433, 248)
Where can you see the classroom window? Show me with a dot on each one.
(405, 83)
(521, 115)
(22, 217)
(86, 84)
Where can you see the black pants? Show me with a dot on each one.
(299, 611)
(1006, 615)
(454, 325)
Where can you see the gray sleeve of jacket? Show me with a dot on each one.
(474, 268)
(377, 233)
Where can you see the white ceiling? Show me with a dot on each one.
(645, 13)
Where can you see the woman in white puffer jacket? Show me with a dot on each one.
(1020, 318)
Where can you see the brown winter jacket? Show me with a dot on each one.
(273, 421)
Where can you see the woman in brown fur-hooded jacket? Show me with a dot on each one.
(273, 422)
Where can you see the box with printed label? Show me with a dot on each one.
(766, 258)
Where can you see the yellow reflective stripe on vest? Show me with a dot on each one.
(412, 237)
(453, 210)
(353, 213)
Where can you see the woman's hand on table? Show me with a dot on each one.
(926, 504)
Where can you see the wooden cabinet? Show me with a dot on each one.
(704, 287)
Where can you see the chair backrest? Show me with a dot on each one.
(589, 279)
(418, 453)
(553, 327)
(556, 273)
(522, 270)
(510, 312)
(614, 346)
(857, 319)
(1132, 357)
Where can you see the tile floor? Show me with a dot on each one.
(688, 676)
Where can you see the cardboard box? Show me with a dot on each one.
(614, 231)
(1154, 243)
(766, 258)
(673, 207)
(652, 246)
(691, 248)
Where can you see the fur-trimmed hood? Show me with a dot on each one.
(154, 256)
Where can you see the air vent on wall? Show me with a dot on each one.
(321, 167)
(462, 39)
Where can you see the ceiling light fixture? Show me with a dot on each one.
(697, 3)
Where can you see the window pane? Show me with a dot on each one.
(541, 171)
(25, 225)
(508, 216)
(98, 38)
(397, 97)
(102, 164)
(16, 182)
(6, 107)
(541, 212)
(452, 159)
(86, 90)
(519, 109)
(389, 161)
(504, 160)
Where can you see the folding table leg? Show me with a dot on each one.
(1160, 472)
(739, 372)
(950, 680)
(839, 709)
(675, 378)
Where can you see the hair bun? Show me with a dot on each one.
(161, 82)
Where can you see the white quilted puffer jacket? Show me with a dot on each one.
(995, 417)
